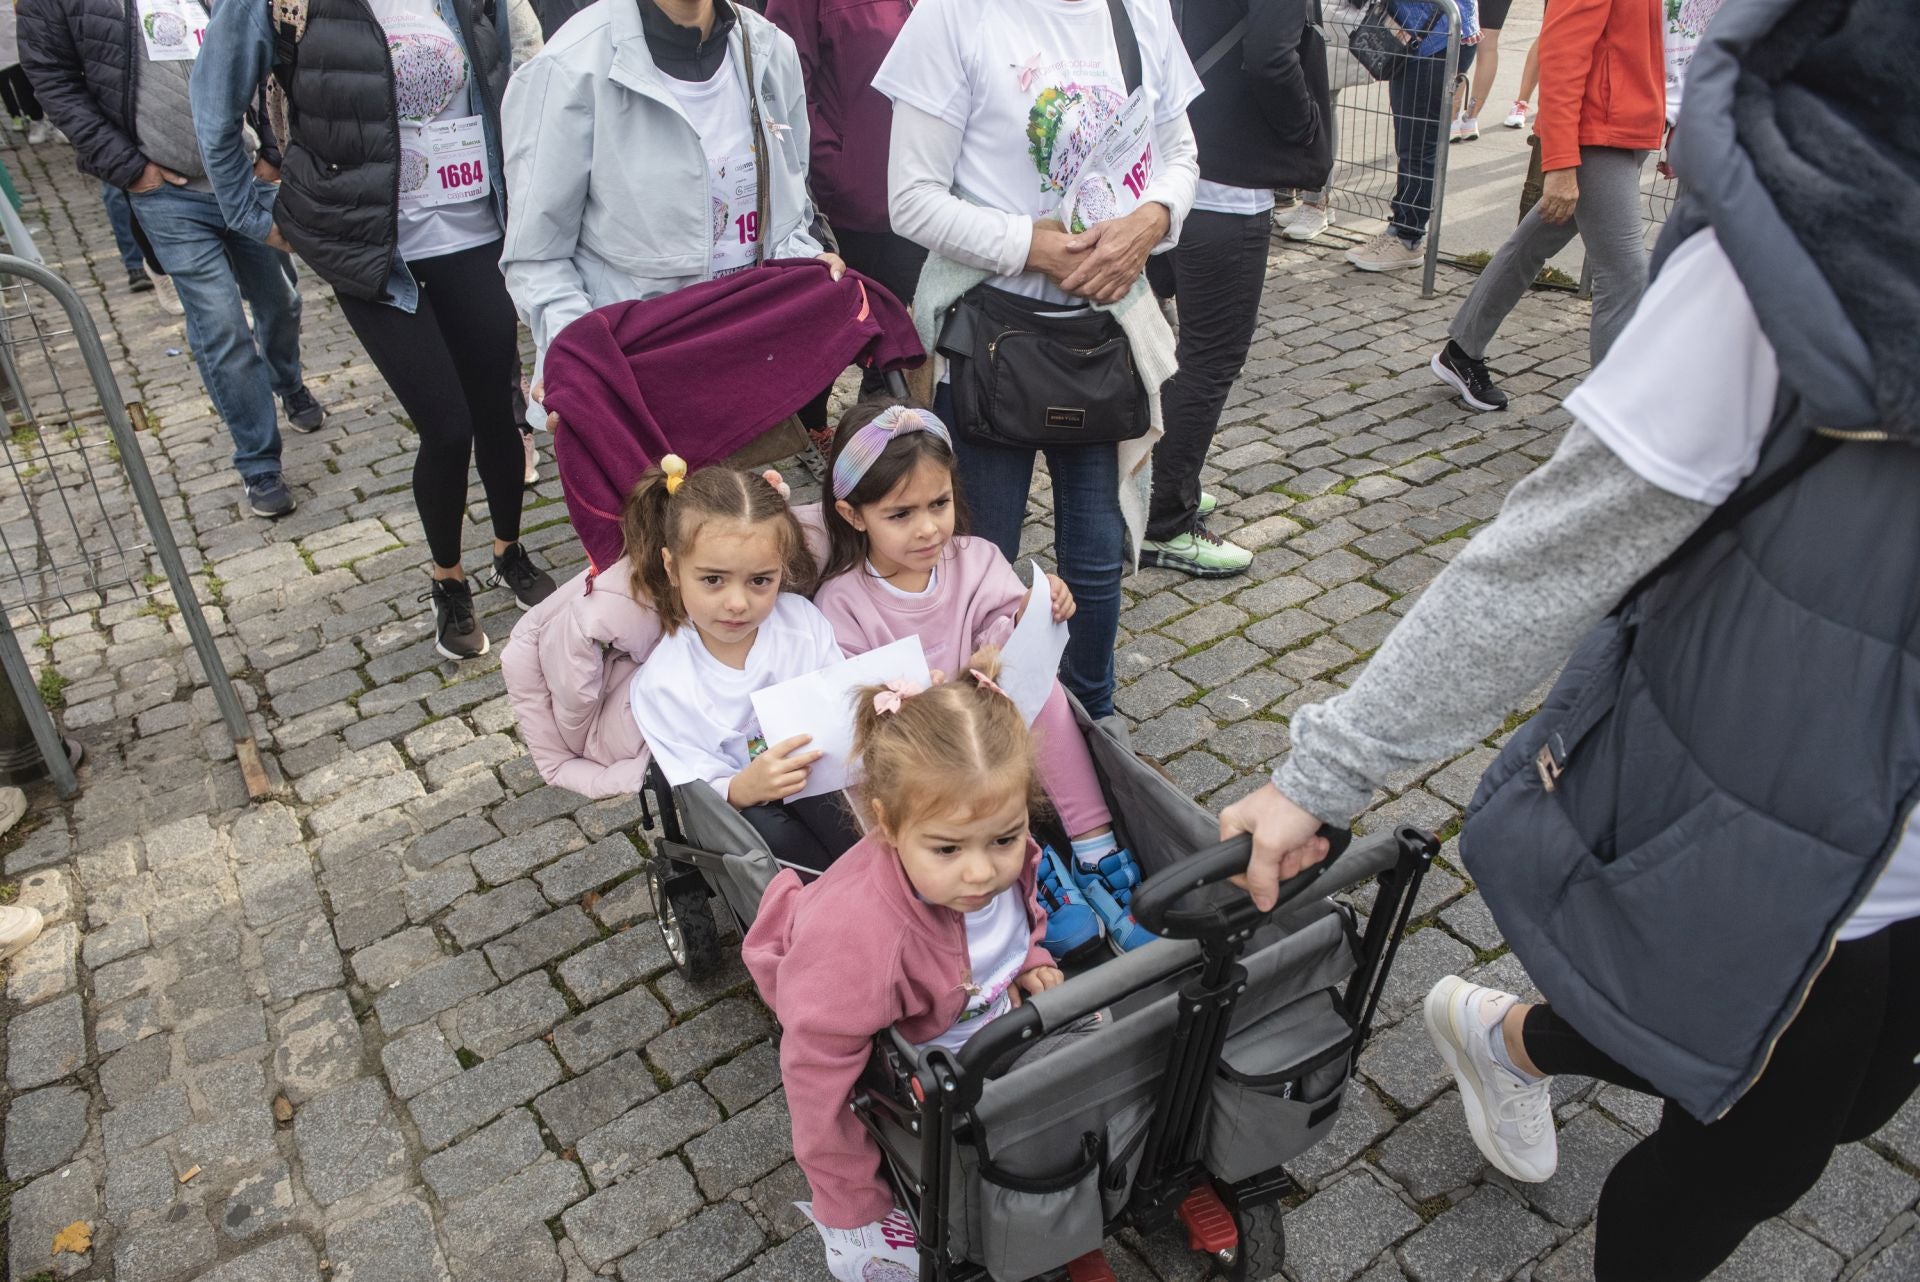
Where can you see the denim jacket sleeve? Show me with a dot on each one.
(234, 61)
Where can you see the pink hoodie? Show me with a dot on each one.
(838, 961)
(568, 665)
(974, 604)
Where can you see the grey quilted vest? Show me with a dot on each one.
(1721, 772)
(340, 180)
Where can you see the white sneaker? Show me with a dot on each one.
(1386, 252)
(13, 808)
(1309, 221)
(1517, 118)
(165, 294)
(18, 928)
(1510, 1119)
(39, 132)
(1466, 129)
(885, 1251)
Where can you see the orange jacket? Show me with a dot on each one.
(1602, 78)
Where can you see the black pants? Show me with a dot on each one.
(809, 833)
(1218, 270)
(17, 92)
(1682, 1199)
(453, 364)
(893, 261)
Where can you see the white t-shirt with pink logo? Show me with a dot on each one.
(1033, 85)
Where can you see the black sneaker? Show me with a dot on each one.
(268, 496)
(457, 633)
(515, 569)
(1468, 377)
(303, 412)
(138, 281)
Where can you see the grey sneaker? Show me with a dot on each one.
(303, 412)
(1385, 253)
(456, 632)
(1200, 552)
(268, 496)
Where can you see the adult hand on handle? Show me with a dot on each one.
(538, 395)
(775, 774)
(1116, 253)
(153, 177)
(835, 264)
(1286, 841)
(1559, 193)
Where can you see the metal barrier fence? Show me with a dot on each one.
(71, 476)
(1366, 133)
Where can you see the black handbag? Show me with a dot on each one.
(1024, 378)
(1378, 45)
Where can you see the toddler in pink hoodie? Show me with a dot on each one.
(899, 563)
(930, 925)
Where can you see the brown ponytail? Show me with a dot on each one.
(654, 519)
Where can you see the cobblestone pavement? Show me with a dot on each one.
(449, 972)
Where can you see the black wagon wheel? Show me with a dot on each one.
(1263, 1244)
(684, 913)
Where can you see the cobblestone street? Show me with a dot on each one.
(410, 1020)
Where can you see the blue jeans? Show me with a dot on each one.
(214, 269)
(120, 217)
(1418, 94)
(1089, 539)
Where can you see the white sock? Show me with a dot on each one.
(1497, 1047)
(1089, 851)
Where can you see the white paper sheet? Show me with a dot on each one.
(821, 704)
(1030, 660)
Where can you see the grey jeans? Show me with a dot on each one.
(1608, 220)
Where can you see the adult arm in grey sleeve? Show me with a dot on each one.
(1572, 539)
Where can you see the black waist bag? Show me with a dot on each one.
(1024, 378)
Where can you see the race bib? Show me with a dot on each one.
(1116, 174)
(734, 193)
(173, 29)
(443, 162)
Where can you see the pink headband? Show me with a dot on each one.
(859, 455)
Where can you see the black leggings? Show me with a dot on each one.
(809, 833)
(17, 92)
(1682, 1199)
(453, 365)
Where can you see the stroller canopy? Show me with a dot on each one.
(702, 372)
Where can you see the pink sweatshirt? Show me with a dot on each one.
(838, 961)
(975, 597)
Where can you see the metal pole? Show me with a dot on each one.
(101, 370)
(45, 734)
(1441, 127)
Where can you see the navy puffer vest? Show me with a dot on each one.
(340, 181)
(1720, 774)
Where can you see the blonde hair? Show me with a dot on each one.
(667, 510)
(946, 750)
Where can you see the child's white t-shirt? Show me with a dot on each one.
(696, 713)
(1031, 85)
(997, 940)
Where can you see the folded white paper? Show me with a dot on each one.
(821, 704)
(1030, 660)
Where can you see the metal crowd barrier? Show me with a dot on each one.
(1366, 166)
(71, 478)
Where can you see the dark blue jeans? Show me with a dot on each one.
(120, 218)
(1089, 539)
(1418, 92)
(215, 269)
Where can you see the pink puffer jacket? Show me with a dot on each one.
(568, 665)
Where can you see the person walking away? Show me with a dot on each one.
(119, 88)
(392, 194)
(1602, 109)
(1516, 118)
(1262, 123)
(1484, 62)
(1417, 91)
(712, 94)
(1705, 847)
(24, 112)
(1006, 101)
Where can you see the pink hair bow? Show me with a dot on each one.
(887, 701)
(988, 683)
